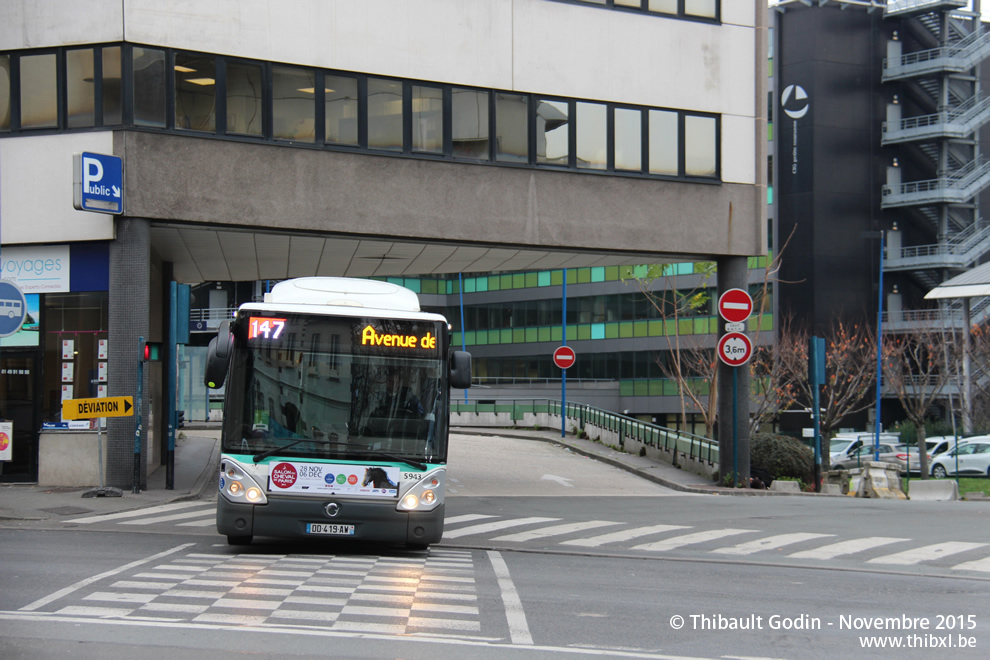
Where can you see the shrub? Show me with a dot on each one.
(782, 456)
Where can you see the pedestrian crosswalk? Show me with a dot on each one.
(612, 535)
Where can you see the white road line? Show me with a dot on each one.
(690, 539)
(769, 543)
(846, 547)
(206, 522)
(624, 535)
(90, 580)
(211, 511)
(554, 530)
(926, 553)
(465, 518)
(494, 526)
(175, 506)
(977, 565)
(514, 613)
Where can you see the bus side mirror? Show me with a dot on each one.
(218, 357)
(460, 370)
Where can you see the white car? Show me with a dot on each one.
(843, 446)
(972, 456)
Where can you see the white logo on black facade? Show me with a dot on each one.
(794, 101)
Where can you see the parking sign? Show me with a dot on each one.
(98, 183)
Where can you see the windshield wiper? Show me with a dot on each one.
(274, 450)
(361, 449)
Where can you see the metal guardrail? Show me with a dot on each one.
(694, 447)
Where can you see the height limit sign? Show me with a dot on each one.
(734, 349)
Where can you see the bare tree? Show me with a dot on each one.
(917, 366)
(850, 372)
(979, 348)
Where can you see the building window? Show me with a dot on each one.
(469, 123)
(699, 146)
(552, 132)
(384, 114)
(195, 92)
(293, 104)
(427, 119)
(110, 84)
(244, 98)
(149, 87)
(592, 136)
(4, 92)
(628, 139)
(39, 106)
(341, 109)
(75, 323)
(512, 128)
(80, 94)
(686, 8)
(664, 142)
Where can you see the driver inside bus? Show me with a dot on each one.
(399, 399)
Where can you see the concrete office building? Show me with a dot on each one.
(378, 138)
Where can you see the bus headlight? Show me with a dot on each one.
(239, 486)
(425, 494)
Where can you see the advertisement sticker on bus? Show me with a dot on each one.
(334, 479)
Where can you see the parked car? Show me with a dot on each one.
(940, 444)
(843, 445)
(971, 455)
(864, 453)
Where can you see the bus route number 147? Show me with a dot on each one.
(265, 327)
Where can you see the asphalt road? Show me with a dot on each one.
(545, 554)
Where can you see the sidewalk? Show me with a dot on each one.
(197, 455)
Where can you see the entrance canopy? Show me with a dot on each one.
(971, 284)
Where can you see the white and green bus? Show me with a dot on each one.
(335, 414)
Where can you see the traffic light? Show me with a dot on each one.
(152, 351)
(180, 419)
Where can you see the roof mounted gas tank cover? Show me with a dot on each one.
(344, 292)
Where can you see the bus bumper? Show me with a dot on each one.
(288, 517)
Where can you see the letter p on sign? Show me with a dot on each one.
(92, 172)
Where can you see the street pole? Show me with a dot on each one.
(563, 372)
(876, 436)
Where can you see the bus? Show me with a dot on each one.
(335, 414)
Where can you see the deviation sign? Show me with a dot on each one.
(564, 357)
(109, 406)
(735, 305)
(734, 349)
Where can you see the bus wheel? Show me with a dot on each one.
(239, 540)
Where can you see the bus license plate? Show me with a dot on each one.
(337, 530)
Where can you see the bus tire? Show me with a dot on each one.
(239, 540)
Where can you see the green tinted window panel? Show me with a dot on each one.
(626, 272)
(414, 285)
(686, 269)
(655, 328)
(544, 334)
(571, 333)
(626, 387)
(713, 326)
(481, 336)
(670, 387)
(598, 331)
(556, 333)
(626, 330)
(455, 338)
(455, 287)
(543, 278)
(572, 275)
(481, 284)
(640, 271)
(532, 280)
(640, 328)
(471, 338)
(701, 326)
(556, 277)
(449, 285)
(656, 388)
(685, 326)
(669, 328)
(395, 280)
(505, 282)
(641, 387)
(611, 331)
(584, 275)
(494, 283)
(584, 331)
(519, 281)
(506, 336)
(494, 337)
(518, 335)
(431, 286)
(532, 335)
(470, 285)
(598, 274)
(611, 273)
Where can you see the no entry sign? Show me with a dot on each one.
(735, 305)
(564, 357)
(734, 349)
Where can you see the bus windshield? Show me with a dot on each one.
(340, 388)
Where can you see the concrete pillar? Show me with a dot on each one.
(733, 442)
(129, 310)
